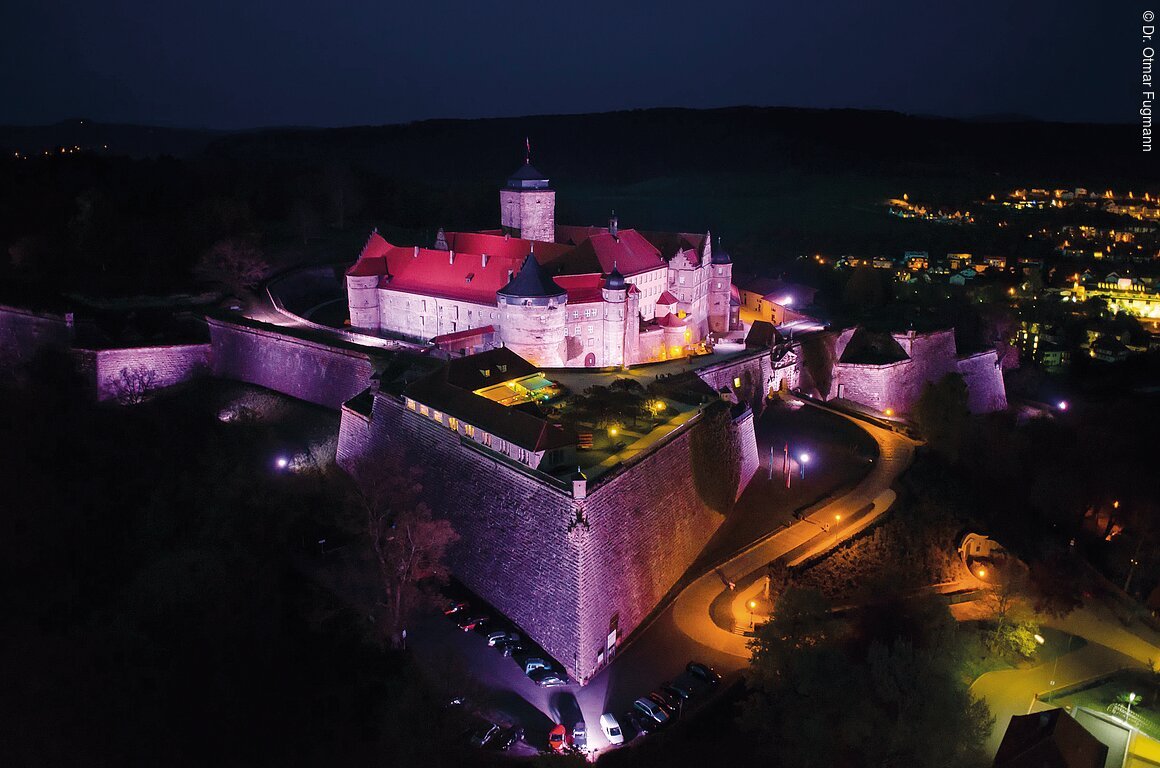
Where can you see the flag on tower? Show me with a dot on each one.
(528, 156)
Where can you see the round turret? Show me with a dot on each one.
(532, 315)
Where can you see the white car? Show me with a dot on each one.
(611, 729)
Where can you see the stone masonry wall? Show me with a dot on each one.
(986, 391)
(169, 365)
(559, 568)
(318, 373)
(23, 333)
(514, 549)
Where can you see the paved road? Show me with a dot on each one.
(1112, 645)
(821, 529)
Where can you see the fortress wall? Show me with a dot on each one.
(514, 549)
(168, 365)
(308, 370)
(24, 332)
(637, 533)
(646, 526)
(986, 391)
(753, 372)
(746, 437)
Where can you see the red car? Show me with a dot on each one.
(558, 738)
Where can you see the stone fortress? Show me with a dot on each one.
(556, 295)
(449, 346)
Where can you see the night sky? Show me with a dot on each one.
(304, 62)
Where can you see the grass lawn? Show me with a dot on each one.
(1115, 690)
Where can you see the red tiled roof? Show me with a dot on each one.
(667, 298)
(449, 338)
(498, 245)
(582, 288)
(671, 321)
(628, 251)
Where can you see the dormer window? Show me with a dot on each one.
(485, 372)
(469, 277)
(502, 368)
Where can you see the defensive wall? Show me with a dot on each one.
(159, 366)
(324, 372)
(568, 566)
(24, 332)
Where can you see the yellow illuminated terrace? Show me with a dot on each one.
(525, 389)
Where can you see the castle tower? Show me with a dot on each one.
(632, 326)
(615, 293)
(720, 289)
(533, 309)
(527, 206)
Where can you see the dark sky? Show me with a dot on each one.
(309, 62)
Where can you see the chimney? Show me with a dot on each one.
(484, 258)
(613, 225)
(416, 254)
(451, 257)
(579, 485)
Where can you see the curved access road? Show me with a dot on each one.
(705, 610)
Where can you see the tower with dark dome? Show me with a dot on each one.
(533, 312)
(720, 288)
(615, 294)
(527, 205)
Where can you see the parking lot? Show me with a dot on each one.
(495, 688)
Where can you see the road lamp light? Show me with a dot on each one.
(803, 459)
(281, 462)
(1131, 700)
(752, 605)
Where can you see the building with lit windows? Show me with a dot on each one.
(559, 296)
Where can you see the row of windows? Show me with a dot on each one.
(484, 438)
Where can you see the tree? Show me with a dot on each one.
(408, 543)
(234, 262)
(133, 384)
(820, 696)
(1057, 584)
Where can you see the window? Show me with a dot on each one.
(469, 430)
(410, 404)
(485, 438)
(737, 382)
(453, 423)
(437, 416)
(591, 342)
(681, 280)
(577, 331)
(589, 312)
(423, 410)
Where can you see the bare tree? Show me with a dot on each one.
(237, 263)
(409, 544)
(133, 385)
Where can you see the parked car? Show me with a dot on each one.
(679, 688)
(470, 622)
(638, 723)
(483, 734)
(501, 635)
(547, 678)
(455, 606)
(664, 703)
(703, 671)
(506, 737)
(611, 728)
(532, 663)
(558, 738)
(580, 736)
(509, 647)
(652, 710)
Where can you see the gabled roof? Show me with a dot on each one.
(627, 251)
(582, 289)
(451, 390)
(1050, 739)
(872, 348)
(531, 281)
(668, 243)
(667, 298)
(486, 368)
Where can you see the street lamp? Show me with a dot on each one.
(281, 462)
(752, 605)
(803, 459)
(1128, 717)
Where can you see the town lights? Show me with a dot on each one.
(982, 572)
(889, 412)
(281, 462)
(1061, 405)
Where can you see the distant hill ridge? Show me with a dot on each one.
(628, 146)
